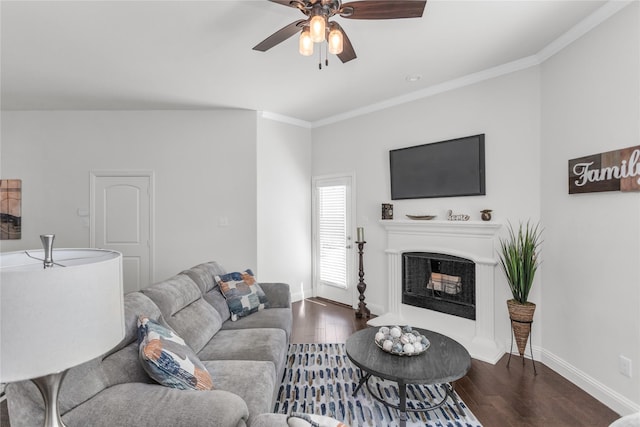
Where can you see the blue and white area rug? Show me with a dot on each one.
(320, 378)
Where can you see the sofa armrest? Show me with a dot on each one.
(154, 405)
(278, 294)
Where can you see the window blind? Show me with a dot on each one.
(332, 228)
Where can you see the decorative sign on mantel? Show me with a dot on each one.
(611, 171)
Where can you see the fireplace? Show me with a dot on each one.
(439, 282)
(472, 244)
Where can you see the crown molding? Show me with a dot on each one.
(284, 119)
(467, 80)
(583, 27)
(580, 29)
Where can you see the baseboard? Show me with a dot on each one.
(306, 293)
(537, 353)
(595, 388)
(299, 296)
(375, 309)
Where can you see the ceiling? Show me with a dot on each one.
(132, 55)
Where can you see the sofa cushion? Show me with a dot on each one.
(280, 318)
(278, 294)
(203, 275)
(254, 381)
(173, 294)
(248, 344)
(168, 360)
(152, 405)
(134, 304)
(184, 310)
(243, 293)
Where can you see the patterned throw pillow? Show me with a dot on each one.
(168, 359)
(243, 293)
(311, 420)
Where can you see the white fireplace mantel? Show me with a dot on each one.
(454, 228)
(474, 240)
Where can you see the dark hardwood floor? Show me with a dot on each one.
(497, 395)
(4, 417)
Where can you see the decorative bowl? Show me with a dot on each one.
(401, 341)
(427, 217)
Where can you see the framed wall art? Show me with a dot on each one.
(10, 209)
(617, 170)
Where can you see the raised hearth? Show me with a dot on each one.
(471, 240)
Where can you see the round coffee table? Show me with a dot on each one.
(444, 361)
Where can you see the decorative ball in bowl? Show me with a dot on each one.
(401, 340)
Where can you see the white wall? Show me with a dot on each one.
(506, 109)
(204, 163)
(584, 100)
(284, 205)
(591, 279)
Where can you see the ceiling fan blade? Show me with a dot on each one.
(348, 53)
(286, 3)
(279, 36)
(383, 9)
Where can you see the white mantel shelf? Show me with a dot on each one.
(464, 228)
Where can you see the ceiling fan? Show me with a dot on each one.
(317, 28)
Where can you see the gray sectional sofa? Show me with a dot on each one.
(246, 360)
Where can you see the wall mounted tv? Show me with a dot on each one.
(441, 169)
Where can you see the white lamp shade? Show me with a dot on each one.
(56, 318)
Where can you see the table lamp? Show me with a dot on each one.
(58, 309)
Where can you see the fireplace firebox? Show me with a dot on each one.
(439, 282)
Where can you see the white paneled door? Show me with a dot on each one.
(333, 243)
(121, 220)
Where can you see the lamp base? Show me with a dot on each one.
(49, 386)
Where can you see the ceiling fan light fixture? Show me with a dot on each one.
(336, 40)
(305, 44)
(318, 26)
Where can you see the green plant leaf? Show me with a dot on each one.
(519, 258)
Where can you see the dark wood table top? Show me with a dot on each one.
(445, 360)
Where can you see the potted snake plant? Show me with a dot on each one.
(519, 258)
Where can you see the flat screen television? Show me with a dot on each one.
(441, 169)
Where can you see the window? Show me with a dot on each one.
(332, 235)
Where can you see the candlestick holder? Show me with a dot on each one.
(363, 311)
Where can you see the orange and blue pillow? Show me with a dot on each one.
(311, 420)
(243, 293)
(168, 359)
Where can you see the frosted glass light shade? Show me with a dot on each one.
(56, 318)
(335, 41)
(318, 28)
(305, 46)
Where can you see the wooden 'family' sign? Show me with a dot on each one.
(611, 171)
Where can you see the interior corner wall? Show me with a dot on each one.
(204, 170)
(284, 205)
(506, 109)
(591, 279)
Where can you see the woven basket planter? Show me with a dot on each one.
(522, 317)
